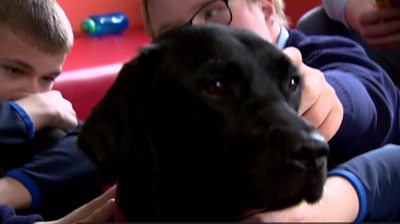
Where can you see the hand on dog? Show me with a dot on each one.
(377, 26)
(330, 208)
(49, 109)
(319, 104)
(97, 210)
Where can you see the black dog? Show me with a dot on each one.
(202, 126)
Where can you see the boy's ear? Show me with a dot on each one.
(268, 9)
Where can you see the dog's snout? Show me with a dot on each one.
(310, 154)
(309, 158)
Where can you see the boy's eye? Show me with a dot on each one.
(13, 70)
(48, 79)
(213, 12)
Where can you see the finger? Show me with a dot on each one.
(381, 14)
(319, 111)
(294, 55)
(72, 121)
(333, 120)
(68, 122)
(89, 208)
(381, 28)
(313, 80)
(386, 42)
(102, 214)
(68, 117)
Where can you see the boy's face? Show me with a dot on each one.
(255, 15)
(24, 69)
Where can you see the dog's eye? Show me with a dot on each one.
(293, 84)
(215, 88)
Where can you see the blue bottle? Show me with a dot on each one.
(106, 24)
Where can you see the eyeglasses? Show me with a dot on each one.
(217, 11)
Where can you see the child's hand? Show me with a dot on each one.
(380, 27)
(98, 210)
(319, 104)
(49, 109)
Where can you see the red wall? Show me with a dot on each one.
(296, 8)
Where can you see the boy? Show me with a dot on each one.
(41, 167)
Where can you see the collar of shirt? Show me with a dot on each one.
(282, 39)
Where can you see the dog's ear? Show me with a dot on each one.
(115, 135)
(115, 131)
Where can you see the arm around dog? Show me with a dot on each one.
(356, 182)
(353, 192)
(375, 170)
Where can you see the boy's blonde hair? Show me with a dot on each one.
(280, 12)
(279, 7)
(42, 23)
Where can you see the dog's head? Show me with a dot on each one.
(202, 125)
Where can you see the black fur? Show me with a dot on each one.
(202, 126)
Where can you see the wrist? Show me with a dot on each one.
(342, 197)
(30, 126)
(14, 193)
(37, 112)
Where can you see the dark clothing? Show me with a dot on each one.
(317, 22)
(48, 163)
(371, 105)
(369, 97)
(367, 173)
(376, 177)
(8, 216)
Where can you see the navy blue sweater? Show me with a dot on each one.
(369, 97)
(371, 105)
(376, 177)
(48, 163)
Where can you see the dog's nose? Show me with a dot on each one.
(311, 154)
